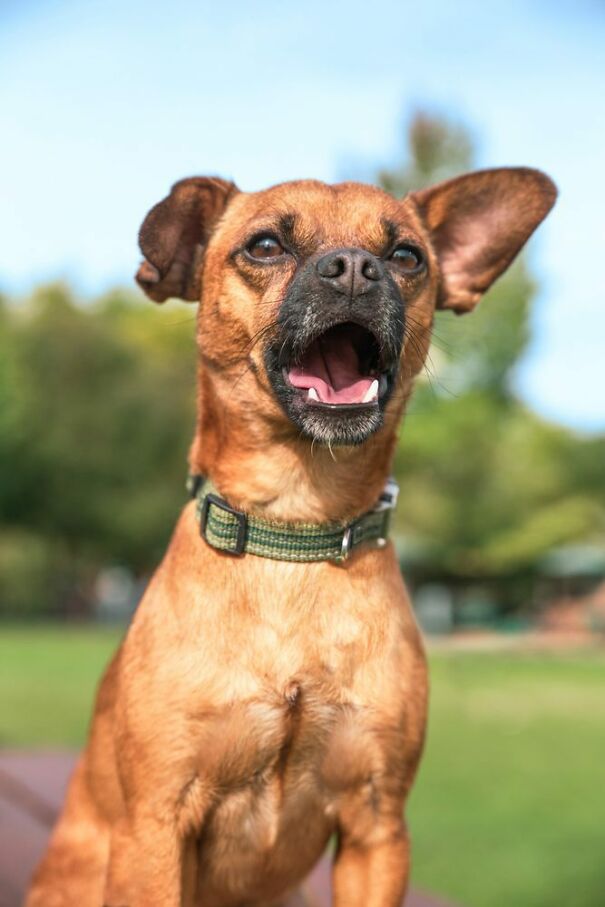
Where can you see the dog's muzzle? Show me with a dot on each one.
(334, 361)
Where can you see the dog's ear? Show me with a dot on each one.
(174, 234)
(478, 223)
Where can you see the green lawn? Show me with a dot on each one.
(509, 808)
(48, 677)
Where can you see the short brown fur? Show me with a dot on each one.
(257, 707)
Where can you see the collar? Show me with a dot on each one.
(235, 532)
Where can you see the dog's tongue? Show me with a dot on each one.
(331, 367)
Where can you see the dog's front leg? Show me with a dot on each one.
(372, 862)
(145, 864)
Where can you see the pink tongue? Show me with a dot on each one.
(331, 366)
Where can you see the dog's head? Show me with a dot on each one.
(317, 301)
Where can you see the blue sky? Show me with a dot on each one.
(104, 104)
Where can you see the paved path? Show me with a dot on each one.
(32, 786)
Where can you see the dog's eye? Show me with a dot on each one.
(264, 247)
(407, 258)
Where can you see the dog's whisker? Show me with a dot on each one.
(191, 319)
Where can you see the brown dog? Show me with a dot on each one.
(258, 704)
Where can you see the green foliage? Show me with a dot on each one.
(29, 574)
(98, 411)
(490, 488)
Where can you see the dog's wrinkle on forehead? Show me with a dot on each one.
(309, 213)
(300, 232)
(391, 231)
(360, 221)
(291, 225)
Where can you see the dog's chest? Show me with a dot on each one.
(293, 715)
(286, 730)
(283, 762)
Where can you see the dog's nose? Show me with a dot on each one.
(350, 271)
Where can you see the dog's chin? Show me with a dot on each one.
(335, 425)
(335, 387)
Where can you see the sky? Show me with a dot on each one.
(104, 104)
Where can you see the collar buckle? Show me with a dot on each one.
(388, 498)
(240, 517)
(347, 542)
(386, 501)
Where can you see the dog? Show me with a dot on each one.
(271, 691)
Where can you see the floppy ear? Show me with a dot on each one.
(478, 223)
(174, 233)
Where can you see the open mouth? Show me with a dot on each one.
(340, 368)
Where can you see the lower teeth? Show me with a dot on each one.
(376, 387)
(372, 392)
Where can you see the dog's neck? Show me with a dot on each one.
(289, 478)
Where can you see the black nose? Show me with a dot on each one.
(350, 271)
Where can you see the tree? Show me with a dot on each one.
(487, 486)
(98, 411)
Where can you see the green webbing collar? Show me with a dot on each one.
(236, 532)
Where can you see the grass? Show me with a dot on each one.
(48, 677)
(509, 807)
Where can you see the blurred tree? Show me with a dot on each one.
(97, 410)
(12, 417)
(97, 414)
(467, 352)
(487, 487)
(437, 149)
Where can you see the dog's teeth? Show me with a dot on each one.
(372, 392)
(312, 394)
